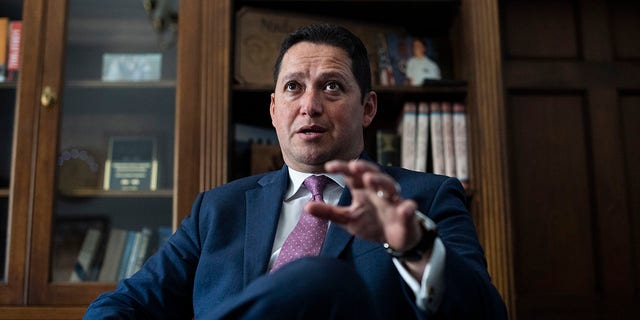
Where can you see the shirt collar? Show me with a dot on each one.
(296, 178)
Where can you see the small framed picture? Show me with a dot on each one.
(132, 164)
(131, 66)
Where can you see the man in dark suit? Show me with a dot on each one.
(236, 256)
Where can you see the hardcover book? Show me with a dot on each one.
(437, 147)
(113, 255)
(83, 268)
(388, 148)
(131, 164)
(126, 254)
(408, 137)
(461, 143)
(422, 137)
(4, 41)
(13, 55)
(447, 140)
(70, 238)
(138, 253)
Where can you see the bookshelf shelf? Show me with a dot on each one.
(455, 89)
(4, 192)
(441, 86)
(8, 85)
(92, 193)
(435, 14)
(92, 84)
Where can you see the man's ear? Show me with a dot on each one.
(272, 107)
(370, 108)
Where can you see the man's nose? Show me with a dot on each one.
(311, 103)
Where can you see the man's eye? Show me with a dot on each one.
(291, 86)
(332, 86)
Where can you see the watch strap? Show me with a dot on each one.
(429, 234)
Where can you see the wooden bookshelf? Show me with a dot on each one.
(207, 104)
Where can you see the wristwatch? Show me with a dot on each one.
(429, 234)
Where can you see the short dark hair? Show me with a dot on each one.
(336, 36)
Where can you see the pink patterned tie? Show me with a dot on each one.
(307, 237)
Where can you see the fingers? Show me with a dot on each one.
(361, 174)
(358, 220)
(385, 187)
(350, 167)
(377, 211)
(335, 214)
(352, 171)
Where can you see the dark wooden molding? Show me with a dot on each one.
(12, 291)
(490, 206)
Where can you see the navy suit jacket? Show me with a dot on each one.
(226, 241)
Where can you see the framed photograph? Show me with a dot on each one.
(131, 66)
(131, 164)
(413, 59)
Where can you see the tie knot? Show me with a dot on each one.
(316, 185)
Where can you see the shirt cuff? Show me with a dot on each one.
(429, 291)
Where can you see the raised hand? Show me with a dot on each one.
(377, 212)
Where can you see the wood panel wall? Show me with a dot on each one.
(571, 70)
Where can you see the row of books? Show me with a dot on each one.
(10, 37)
(431, 136)
(115, 256)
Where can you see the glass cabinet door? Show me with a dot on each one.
(7, 110)
(10, 31)
(104, 175)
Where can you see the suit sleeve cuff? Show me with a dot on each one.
(430, 289)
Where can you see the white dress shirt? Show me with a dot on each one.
(428, 292)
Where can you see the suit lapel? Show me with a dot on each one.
(337, 237)
(264, 204)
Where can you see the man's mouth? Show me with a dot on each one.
(311, 130)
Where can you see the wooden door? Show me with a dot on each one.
(103, 147)
(15, 140)
(573, 108)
